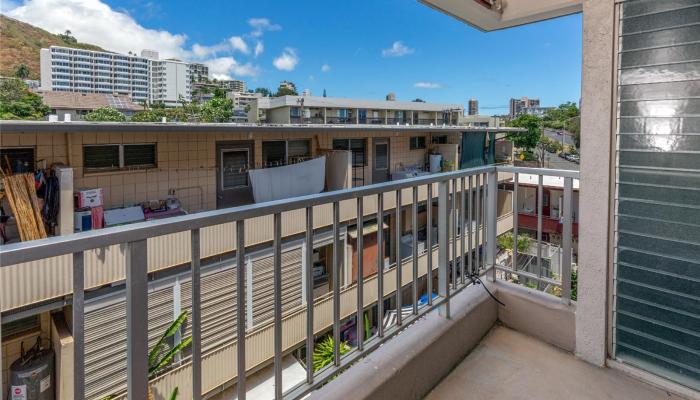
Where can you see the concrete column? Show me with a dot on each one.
(596, 171)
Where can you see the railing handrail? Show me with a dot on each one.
(34, 250)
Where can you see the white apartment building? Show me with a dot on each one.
(170, 81)
(65, 69)
(142, 78)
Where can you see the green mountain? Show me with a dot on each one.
(20, 44)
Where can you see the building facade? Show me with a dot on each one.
(335, 110)
(170, 82)
(66, 69)
(242, 103)
(199, 72)
(233, 85)
(473, 107)
(518, 106)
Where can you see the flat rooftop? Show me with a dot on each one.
(85, 126)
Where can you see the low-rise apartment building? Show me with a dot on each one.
(335, 110)
(205, 167)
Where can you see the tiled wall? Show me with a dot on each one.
(188, 159)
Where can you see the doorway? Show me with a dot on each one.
(380, 164)
(233, 160)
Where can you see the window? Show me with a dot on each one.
(273, 153)
(21, 159)
(298, 150)
(417, 142)
(111, 157)
(441, 139)
(358, 147)
(295, 112)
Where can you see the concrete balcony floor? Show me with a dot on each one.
(510, 365)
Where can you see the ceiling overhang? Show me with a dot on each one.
(504, 13)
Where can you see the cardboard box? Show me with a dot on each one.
(89, 198)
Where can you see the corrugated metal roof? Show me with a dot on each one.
(87, 101)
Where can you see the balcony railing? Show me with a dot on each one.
(465, 246)
(372, 120)
(340, 120)
(306, 120)
(400, 121)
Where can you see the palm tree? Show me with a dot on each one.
(22, 71)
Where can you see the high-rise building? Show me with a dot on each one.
(518, 106)
(199, 72)
(65, 69)
(169, 80)
(473, 107)
(233, 85)
(288, 85)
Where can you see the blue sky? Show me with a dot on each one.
(438, 58)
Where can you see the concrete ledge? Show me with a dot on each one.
(409, 365)
(537, 314)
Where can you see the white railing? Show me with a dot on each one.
(467, 217)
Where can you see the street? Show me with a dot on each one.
(567, 139)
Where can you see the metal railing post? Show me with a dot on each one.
(78, 326)
(399, 269)
(414, 256)
(491, 215)
(515, 222)
(380, 265)
(240, 308)
(566, 242)
(277, 285)
(443, 249)
(196, 318)
(336, 285)
(540, 196)
(309, 295)
(429, 244)
(359, 323)
(137, 319)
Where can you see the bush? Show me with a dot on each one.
(105, 114)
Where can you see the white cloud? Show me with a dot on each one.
(287, 61)
(95, 22)
(237, 43)
(201, 51)
(397, 49)
(259, 48)
(325, 68)
(226, 68)
(427, 85)
(260, 25)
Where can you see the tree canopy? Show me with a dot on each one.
(285, 91)
(265, 91)
(22, 71)
(17, 102)
(529, 139)
(110, 114)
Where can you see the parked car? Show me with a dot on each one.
(564, 155)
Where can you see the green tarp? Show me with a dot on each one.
(474, 149)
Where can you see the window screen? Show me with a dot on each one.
(139, 155)
(234, 165)
(358, 148)
(101, 158)
(417, 142)
(273, 153)
(21, 159)
(441, 139)
(381, 156)
(298, 150)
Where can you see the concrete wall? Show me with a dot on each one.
(185, 159)
(596, 175)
